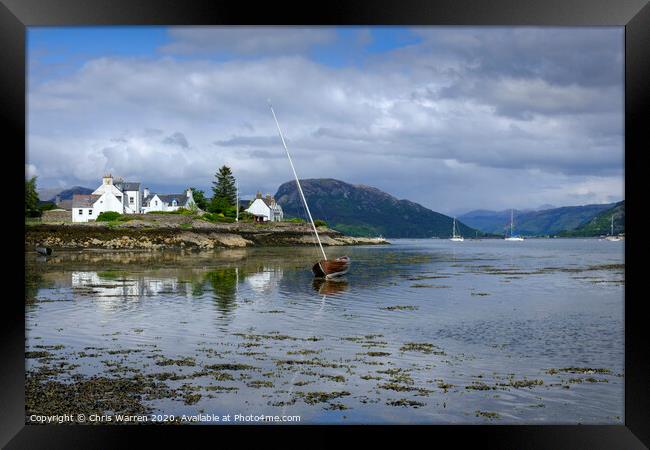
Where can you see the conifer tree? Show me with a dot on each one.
(223, 188)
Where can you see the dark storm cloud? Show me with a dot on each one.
(177, 138)
(565, 56)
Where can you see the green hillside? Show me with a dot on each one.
(535, 223)
(600, 225)
(359, 210)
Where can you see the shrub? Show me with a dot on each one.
(108, 216)
(217, 217)
(296, 220)
(320, 223)
(181, 211)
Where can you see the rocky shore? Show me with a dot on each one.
(170, 232)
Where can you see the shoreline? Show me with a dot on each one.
(181, 233)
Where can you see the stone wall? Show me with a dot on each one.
(56, 216)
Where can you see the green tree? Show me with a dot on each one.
(220, 205)
(199, 198)
(224, 186)
(31, 198)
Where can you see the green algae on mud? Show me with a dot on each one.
(422, 347)
(311, 398)
(401, 308)
(488, 414)
(405, 402)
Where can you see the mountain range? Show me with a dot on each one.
(359, 210)
(546, 222)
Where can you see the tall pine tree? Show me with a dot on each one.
(223, 189)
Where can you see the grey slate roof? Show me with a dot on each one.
(65, 204)
(181, 199)
(84, 201)
(127, 186)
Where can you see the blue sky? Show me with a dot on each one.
(454, 118)
(73, 46)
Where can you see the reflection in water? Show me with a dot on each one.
(224, 287)
(266, 280)
(329, 287)
(223, 283)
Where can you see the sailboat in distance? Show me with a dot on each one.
(611, 236)
(325, 268)
(512, 237)
(454, 235)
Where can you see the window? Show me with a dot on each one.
(81, 211)
(90, 212)
(156, 202)
(131, 200)
(174, 203)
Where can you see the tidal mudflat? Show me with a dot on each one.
(422, 331)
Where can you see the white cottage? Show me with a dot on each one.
(112, 195)
(88, 207)
(166, 202)
(265, 209)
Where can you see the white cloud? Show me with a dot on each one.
(444, 132)
(246, 40)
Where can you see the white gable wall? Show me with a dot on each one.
(155, 204)
(132, 202)
(107, 202)
(259, 208)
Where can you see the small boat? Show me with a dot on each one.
(332, 268)
(45, 251)
(512, 237)
(454, 236)
(611, 236)
(325, 268)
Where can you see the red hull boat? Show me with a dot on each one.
(326, 268)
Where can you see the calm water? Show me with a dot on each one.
(421, 331)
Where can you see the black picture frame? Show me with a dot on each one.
(634, 15)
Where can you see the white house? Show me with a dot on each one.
(166, 202)
(88, 207)
(125, 197)
(126, 192)
(265, 209)
(132, 198)
(112, 195)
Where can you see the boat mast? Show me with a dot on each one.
(512, 212)
(237, 199)
(612, 232)
(302, 195)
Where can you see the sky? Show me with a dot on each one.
(453, 118)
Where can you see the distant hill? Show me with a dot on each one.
(359, 210)
(66, 194)
(534, 223)
(601, 224)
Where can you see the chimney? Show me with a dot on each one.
(146, 192)
(188, 193)
(107, 179)
(258, 195)
(268, 198)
